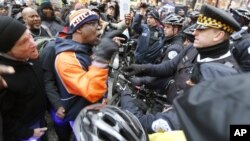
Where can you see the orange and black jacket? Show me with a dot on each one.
(79, 82)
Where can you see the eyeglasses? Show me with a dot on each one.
(93, 23)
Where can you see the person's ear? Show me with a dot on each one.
(79, 30)
(176, 29)
(219, 35)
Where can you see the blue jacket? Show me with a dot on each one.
(146, 53)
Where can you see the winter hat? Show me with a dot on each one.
(46, 4)
(10, 32)
(80, 17)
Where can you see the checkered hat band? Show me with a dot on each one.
(210, 22)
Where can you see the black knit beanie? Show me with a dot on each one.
(10, 32)
(46, 4)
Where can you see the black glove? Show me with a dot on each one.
(136, 69)
(137, 81)
(106, 47)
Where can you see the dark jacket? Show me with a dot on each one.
(182, 67)
(149, 41)
(47, 59)
(241, 51)
(23, 103)
(54, 24)
(208, 109)
(171, 48)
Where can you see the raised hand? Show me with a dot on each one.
(106, 47)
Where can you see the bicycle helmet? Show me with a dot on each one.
(99, 122)
(173, 19)
(241, 15)
(194, 15)
(154, 14)
(241, 12)
(190, 29)
(188, 32)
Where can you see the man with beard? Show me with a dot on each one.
(81, 74)
(33, 23)
(48, 18)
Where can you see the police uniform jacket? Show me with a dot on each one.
(241, 52)
(149, 40)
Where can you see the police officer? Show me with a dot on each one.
(241, 42)
(171, 47)
(173, 42)
(213, 30)
(150, 36)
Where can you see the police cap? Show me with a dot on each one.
(212, 17)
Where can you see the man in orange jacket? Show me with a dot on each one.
(81, 73)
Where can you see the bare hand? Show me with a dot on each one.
(127, 19)
(38, 132)
(60, 112)
(6, 70)
(190, 83)
(105, 101)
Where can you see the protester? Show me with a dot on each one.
(23, 101)
(109, 14)
(33, 22)
(81, 79)
(48, 18)
(4, 10)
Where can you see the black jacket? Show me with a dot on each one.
(182, 67)
(47, 59)
(23, 103)
(241, 52)
(171, 48)
(208, 109)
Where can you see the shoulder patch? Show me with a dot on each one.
(161, 125)
(172, 54)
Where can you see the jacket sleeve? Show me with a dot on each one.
(120, 26)
(241, 53)
(89, 84)
(17, 129)
(51, 89)
(47, 59)
(136, 25)
(165, 69)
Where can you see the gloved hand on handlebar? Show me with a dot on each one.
(137, 69)
(137, 81)
(106, 47)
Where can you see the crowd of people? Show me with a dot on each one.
(57, 63)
